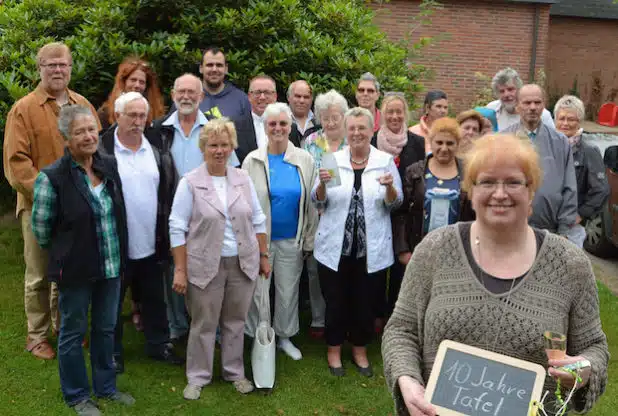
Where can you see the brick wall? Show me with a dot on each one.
(471, 36)
(585, 49)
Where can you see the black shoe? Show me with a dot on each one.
(169, 356)
(364, 371)
(180, 341)
(118, 364)
(337, 371)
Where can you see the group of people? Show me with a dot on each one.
(193, 208)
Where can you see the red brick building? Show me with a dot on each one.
(562, 38)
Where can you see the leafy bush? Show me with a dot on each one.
(329, 43)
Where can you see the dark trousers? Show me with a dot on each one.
(395, 277)
(74, 300)
(149, 275)
(349, 294)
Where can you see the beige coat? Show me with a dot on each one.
(256, 164)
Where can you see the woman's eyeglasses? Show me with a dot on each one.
(490, 185)
(273, 124)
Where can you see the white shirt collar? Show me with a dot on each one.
(119, 146)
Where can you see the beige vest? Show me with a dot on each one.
(205, 236)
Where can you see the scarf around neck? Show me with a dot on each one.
(390, 142)
(574, 140)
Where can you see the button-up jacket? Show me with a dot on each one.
(330, 233)
(32, 140)
(256, 163)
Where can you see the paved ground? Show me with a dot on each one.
(606, 271)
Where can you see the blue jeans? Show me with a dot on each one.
(74, 300)
(176, 309)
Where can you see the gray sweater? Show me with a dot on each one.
(441, 298)
(554, 207)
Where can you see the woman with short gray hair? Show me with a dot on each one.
(354, 242)
(79, 199)
(592, 185)
(330, 108)
(283, 175)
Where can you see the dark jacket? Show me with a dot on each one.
(408, 220)
(168, 179)
(592, 185)
(74, 254)
(412, 152)
(233, 103)
(296, 137)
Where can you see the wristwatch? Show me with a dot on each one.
(265, 255)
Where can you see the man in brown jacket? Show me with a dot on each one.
(31, 142)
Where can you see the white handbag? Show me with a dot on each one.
(264, 348)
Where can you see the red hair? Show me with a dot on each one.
(152, 93)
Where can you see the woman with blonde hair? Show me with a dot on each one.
(406, 148)
(217, 234)
(134, 74)
(433, 196)
(498, 284)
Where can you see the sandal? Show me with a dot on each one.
(40, 349)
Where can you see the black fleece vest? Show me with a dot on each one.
(74, 248)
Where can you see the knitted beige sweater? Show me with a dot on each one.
(441, 298)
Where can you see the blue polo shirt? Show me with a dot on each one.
(285, 192)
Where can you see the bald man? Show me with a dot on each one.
(300, 97)
(554, 207)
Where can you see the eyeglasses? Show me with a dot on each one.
(366, 90)
(511, 185)
(273, 124)
(136, 116)
(265, 93)
(335, 118)
(56, 66)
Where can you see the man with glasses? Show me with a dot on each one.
(32, 141)
(177, 135)
(148, 180)
(367, 94)
(554, 207)
(262, 91)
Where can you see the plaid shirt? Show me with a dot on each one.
(45, 212)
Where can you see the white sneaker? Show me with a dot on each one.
(192, 392)
(287, 347)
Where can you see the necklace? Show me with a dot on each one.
(362, 162)
(477, 244)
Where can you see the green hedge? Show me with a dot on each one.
(329, 43)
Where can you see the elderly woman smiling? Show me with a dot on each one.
(354, 240)
(79, 216)
(497, 284)
(592, 186)
(283, 176)
(217, 232)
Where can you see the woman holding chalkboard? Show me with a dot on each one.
(496, 284)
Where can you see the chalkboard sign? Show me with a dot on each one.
(469, 381)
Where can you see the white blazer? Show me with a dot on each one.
(335, 208)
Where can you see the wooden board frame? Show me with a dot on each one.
(445, 345)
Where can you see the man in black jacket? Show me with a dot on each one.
(148, 180)
(300, 97)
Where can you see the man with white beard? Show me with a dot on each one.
(179, 134)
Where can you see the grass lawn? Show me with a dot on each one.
(31, 387)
